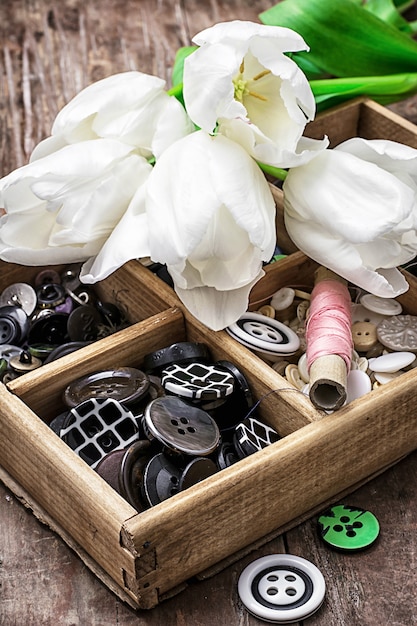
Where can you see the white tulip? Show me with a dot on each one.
(353, 209)
(63, 208)
(241, 82)
(213, 226)
(131, 107)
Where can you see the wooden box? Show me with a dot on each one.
(145, 557)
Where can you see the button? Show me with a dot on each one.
(265, 336)
(8, 351)
(46, 276)
(197, 381)
(50, 295)
(358, 384)
(383, 306)
(24, 362)
(109, 467)
(281, 588)
(181, 427)
(392, 362)
(198, 469)
(131, 471)
(348, 527)
(399, 333)
(49, 329)
(66, 348)
(21, 295)
(283, 298)
(84, 323)
(124, 384)
(267, 310)
(227, 455)
(241, 382)
(96, 427)
(161, 479)
(182, 352)
(252, 435)
(14, 324)
(362, 314)
(364, 336)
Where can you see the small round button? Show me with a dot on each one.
(364, 336)
(124, 384)
(281, 588)
(131, 471)
(197, 470)
(49, 329)
(14, 324)
(181, 427)
(19, 294)
(348, 527)
(384, 306)
(50, 295)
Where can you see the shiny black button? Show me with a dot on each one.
(197, 470)
(131, 473)
(161, 479)
(50, 295)
(181, 352)
(181, 427)
(49, 329)
(84, 323)
(124, 384)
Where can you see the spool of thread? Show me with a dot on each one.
(329, 340)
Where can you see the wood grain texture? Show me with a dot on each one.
(49, 51)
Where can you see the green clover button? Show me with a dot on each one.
(348, 527)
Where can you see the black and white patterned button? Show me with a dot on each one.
(251, 435)
(96, 427)
(197, 381)
(181, 427)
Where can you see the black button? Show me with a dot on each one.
(182, 352)
(131, 473)
(84, 323)
(197, 381)
(161, 479)
(251, 435)
(50, 329)
(14, 324)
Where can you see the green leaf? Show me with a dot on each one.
(344, 39)
(388, 12)
(382, 89)
(178, 68)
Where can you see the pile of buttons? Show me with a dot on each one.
(53, 317)
(154, 432)
(384, 339)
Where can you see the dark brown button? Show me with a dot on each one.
(124, 384)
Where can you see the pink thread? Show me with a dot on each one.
(328, 328)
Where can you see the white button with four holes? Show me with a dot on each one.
(281, 588)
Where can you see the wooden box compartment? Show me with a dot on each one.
(145, 557)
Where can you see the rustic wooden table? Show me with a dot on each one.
(49, 51)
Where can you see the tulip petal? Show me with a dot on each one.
(344, 259)
(128, 240)
(347, 196)
(217, 309)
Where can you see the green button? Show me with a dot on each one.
(348, 527)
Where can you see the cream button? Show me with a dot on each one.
(384, 306)
(364, 336)
(283, 298)
(358, 384)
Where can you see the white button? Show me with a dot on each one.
(358, 384)
(384, 306)
(386, 377)
(362, 314)
(264, 335)
(391, 362)
(283, 298)
(281, 588)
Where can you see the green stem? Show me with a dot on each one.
(176, 91)
(277, 172)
